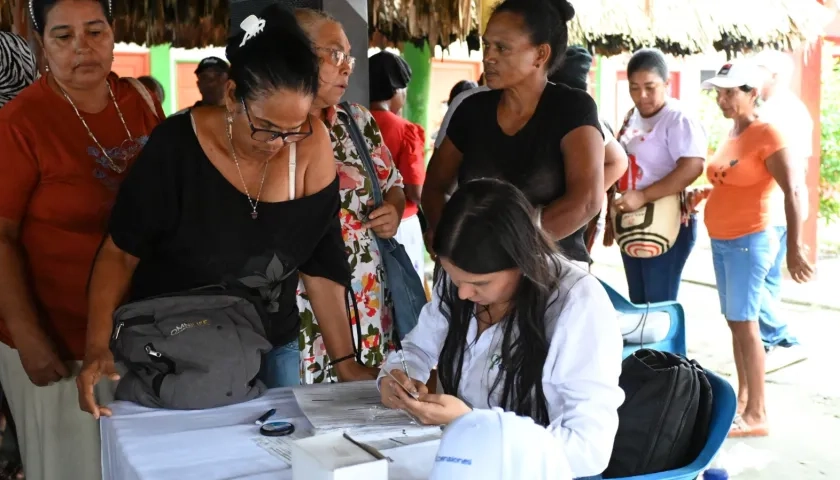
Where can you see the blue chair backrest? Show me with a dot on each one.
(724, 403)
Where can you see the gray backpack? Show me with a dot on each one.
(192, 350)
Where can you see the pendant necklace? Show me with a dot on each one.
(256, 201)
(129, 149)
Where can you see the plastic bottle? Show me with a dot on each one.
(715, 474)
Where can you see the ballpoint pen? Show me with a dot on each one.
(265, 416)
(398, 345)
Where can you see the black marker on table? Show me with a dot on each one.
(265, 416)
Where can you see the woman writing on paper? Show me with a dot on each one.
(513, 325)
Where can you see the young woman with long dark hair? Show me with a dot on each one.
(513, 324)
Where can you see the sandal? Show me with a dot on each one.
(740, 429)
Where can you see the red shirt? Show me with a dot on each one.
(406, 141)
(54, 181)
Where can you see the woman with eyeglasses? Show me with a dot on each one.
(243, 194)
(361, 220)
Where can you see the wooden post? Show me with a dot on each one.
(417, 97)
(808, 85)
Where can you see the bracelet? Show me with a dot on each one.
(344, 358)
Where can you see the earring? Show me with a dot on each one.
(47, 68)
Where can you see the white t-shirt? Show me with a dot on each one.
(441, 134)
(655, 144)
(789, 115)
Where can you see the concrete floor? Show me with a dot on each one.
(803, 400)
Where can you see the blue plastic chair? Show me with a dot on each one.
(674, 342)
(724, 403)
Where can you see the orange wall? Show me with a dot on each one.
(187, 90)
(445, 74)
(131, 64)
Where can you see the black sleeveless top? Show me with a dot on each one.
(191, 228)
(531, 159)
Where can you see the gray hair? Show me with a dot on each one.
(310, 19)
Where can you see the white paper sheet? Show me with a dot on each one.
(354, 406)
(281, 447)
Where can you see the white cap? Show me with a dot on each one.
(736, 74)
(498, 445)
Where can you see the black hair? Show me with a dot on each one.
(488, 226)
(459, 88)
(280, 55)
(546, 22)
(38, 10)
(648, 60)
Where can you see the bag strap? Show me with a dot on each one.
(364, 154)
(144, 92)
(625, 124)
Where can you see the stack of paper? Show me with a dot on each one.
(353, 406)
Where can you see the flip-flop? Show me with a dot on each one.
(740, 429)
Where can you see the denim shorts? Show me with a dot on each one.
(741, 268)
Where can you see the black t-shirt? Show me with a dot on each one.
(531, 159)
(191, 228)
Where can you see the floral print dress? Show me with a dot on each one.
(374, 304)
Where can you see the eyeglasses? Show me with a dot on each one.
(339, 57)
(266, 135)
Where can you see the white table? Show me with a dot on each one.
(140, 443)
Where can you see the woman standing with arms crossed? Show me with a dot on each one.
(360, 219)
(666, 149)
(744, 172)
(543, 138)
(68, 141)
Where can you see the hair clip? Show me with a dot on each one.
(252, 26)
(32, 14)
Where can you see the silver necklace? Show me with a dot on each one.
(256, 201)
(128, 149)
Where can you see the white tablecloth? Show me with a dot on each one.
(140, 443)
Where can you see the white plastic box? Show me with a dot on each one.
(332, 457)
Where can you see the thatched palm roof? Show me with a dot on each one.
(608, 27)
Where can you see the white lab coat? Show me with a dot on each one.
(580, 376)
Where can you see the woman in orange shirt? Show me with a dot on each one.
(68, 141)
(751, 163)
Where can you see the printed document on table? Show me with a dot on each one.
(353, 406)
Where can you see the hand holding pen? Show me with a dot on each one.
(397, 389)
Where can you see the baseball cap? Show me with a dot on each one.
(498, 445)
(736, 74)
(212, 62)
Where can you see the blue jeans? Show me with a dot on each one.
(658, 279)
(281, 366)
(594, 477)
(774, 330)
